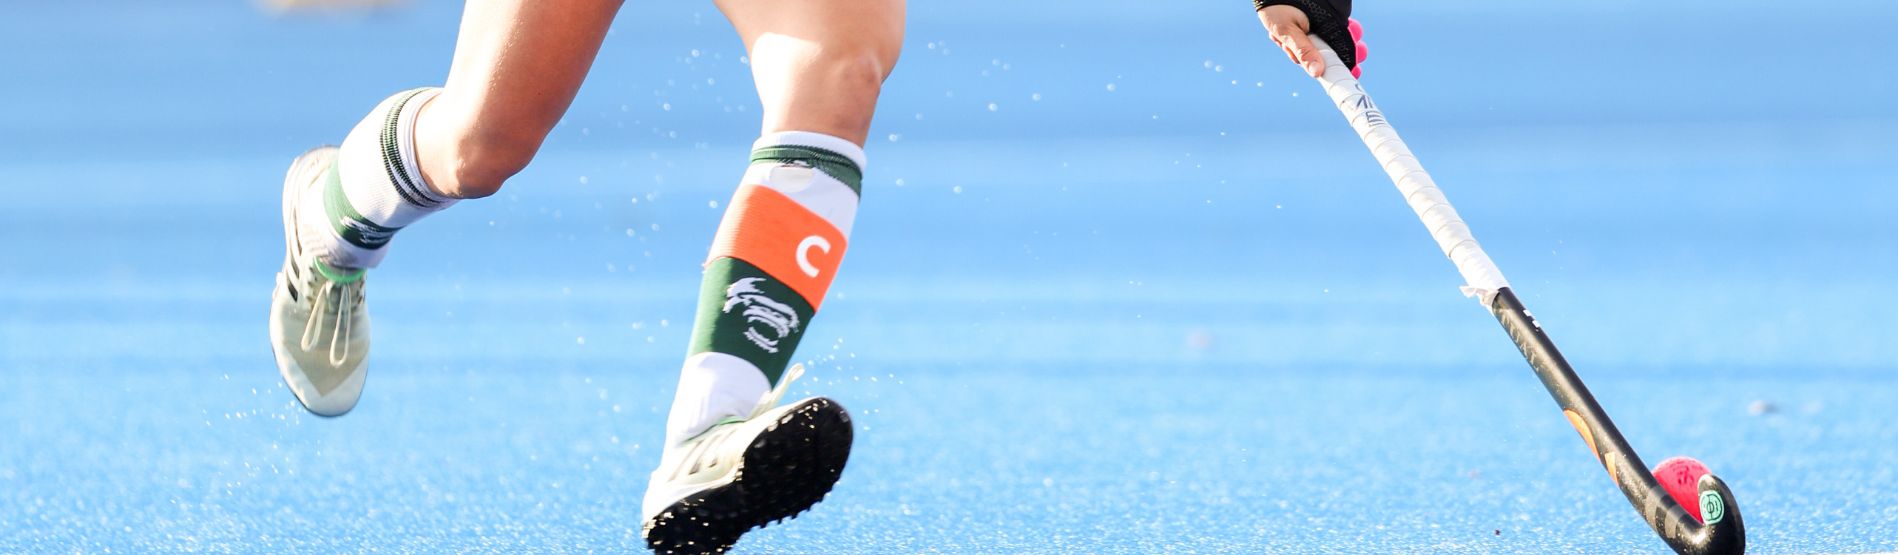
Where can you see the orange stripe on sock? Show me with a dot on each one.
(783, 238)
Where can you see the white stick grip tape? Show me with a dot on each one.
(1452, 235)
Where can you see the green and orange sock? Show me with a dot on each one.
(776, 252)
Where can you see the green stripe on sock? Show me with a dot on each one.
(746, 313)
(338, 275)
(836, 165)
(405, 185)
(348, 223)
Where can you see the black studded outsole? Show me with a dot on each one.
(788, 468)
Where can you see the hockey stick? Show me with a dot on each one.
(1723, 532)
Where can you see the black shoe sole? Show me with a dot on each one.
(786, 469)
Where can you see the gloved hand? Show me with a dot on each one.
(1289, 27)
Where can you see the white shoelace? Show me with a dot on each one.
(770, 399)
(339, 330)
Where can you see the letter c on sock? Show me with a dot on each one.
(803, 253)
(789, 242)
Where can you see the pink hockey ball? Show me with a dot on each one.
(1680, 476)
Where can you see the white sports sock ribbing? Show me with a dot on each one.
(376, 187)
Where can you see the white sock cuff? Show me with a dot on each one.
(817, 140)
(380, 174)
(405, 141)
(713, 386)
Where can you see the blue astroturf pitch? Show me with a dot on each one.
(1123, 282)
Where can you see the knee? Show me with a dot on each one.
(832, 90)
(862, 65)
(477, 161)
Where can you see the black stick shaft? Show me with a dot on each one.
(1680, 530)
(1723, 532)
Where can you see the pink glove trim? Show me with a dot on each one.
(1363, 52)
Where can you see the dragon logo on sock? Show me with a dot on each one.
(770, 321)
(364, 234)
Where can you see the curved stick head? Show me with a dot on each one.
(1723, 530)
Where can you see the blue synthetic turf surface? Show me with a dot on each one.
(1124, 282)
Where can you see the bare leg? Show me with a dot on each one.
(518, 64)
(819, 64)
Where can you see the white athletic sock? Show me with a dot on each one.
(712, 387)
(375, 189)
(831, 143)
(779, 246)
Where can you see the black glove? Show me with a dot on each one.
(1330, 20)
